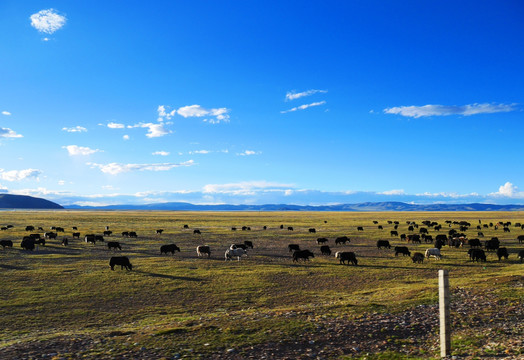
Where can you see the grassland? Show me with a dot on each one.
(65, 302)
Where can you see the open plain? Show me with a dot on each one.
(64, 302)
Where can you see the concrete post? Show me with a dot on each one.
(445, 335)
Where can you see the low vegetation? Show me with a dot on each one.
(65, 302)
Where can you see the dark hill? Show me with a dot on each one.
(8, 201)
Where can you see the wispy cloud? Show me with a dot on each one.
(74, 150)
(159, 129)
(161, 153)
(8, 133)
(219, 114)
(443, 110)
(6, 113)
(393, 192)
(74, 129)
(115, 168)
(114, 125)
(245, 188)
(452, 195)
(41, 192)
(199, 152)
(153, 129)
(249, 152)
(293, 95)
(17, 175)
(47, 21)
(267, 192)
(303, 107)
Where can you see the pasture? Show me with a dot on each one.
(65, 302)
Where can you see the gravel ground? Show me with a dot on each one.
(413, 332)
(495, 324)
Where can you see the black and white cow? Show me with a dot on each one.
(433, 252)
(348, 256)
(231, 253)
(203, 249)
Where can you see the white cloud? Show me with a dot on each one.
(39, 192)
(245, 188)
(161, 153)
(220, 114)
(92, 203)
(156, 130)
(8, 133)
(75, 129)
(192, 111)
(80, 150)
(508, 190)
(447, 195)
(113, 125)
(443, 110)
(47, 21)
(143, 194)
(61, 182)
(17, 175)
(393, 192)
(292, 95)
(6, 113)
(199, 152)
(303, 107)
(162, 114)
(249, 152)
(115, 168)
(153, 130)
(125, 137)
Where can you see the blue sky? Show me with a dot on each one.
(262, 102)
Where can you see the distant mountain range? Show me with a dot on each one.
(8, 201)
(367, 206)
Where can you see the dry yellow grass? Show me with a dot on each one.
(195, 303)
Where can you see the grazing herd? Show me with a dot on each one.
(453, 239)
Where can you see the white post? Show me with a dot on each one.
(445, 336)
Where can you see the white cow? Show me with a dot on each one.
(433, 252)
(238, 252)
